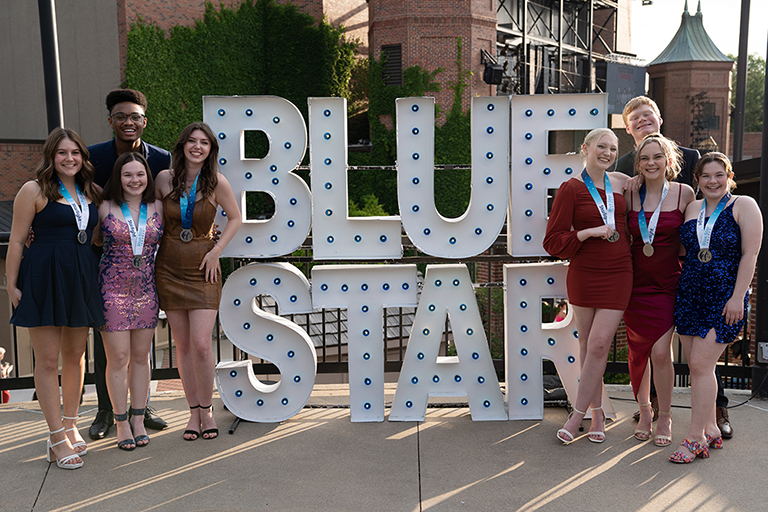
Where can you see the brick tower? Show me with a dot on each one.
(691, 82)
(424, 33)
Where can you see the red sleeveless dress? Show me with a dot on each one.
(652, 305)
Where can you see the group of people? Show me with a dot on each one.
(625, 238)
(153, 212)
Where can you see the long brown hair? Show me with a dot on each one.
(45, 172)
(113, 190)
(208, 174)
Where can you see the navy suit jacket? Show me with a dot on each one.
(104, 155)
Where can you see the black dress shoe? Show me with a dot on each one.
(153, 421)
(723, 423)
(101, 425)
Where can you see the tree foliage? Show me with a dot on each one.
(753, 114)
(259, 47)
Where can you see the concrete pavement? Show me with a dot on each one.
(319, 460)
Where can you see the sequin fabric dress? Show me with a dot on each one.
(705, 287)
(128, 293)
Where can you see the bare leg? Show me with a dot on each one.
(703, 354)
(596, 330)
(192, 333)
(138, 377)
(46, 344)
(117, 346)
(644, 425)
(664, 378)
(73, 341)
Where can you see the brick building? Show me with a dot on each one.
(93, 37)
(424, 33)
(691, 82)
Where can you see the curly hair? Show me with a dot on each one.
(45, 172)
(126, 96)
(668, 148)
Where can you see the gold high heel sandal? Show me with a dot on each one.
(660, 440)
(63, 462)
(640, 434)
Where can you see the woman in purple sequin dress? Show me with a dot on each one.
(713, 291)
(127, 283)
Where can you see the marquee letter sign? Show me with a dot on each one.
(522, 150)
(267, 336)
(281, 121)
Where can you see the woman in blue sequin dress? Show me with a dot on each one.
(713, 292)
(128, 290)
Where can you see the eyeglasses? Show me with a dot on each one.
(119, 117)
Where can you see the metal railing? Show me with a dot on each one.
(330, 335)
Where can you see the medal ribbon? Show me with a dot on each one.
(81, 212)
(606, 212)
(648, 230)
(187, 206)
(137, 235)
(704, 233)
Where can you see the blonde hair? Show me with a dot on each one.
(638, 102)
(720, 158)
(668, 148)
(596, 135)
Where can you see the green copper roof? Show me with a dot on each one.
(691, 43)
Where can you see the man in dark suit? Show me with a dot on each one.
(642, 118)
(127, 118)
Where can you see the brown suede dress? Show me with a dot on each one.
(180, 283)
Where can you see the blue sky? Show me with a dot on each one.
(661, 20)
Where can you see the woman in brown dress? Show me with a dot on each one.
(187, 269)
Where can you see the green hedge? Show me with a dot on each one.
(257, 48)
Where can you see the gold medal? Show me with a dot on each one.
(82, 236)
(137, 261)
(614, 236)
(705, 255)
(648, 250)
(186, 235)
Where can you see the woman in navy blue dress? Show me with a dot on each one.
(721, 235)
(55, 287)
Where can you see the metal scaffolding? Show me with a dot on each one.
(551, 46)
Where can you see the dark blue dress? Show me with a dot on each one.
(705, 287)
(58, 277)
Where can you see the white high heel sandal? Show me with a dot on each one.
(63, 462)
(76, 443)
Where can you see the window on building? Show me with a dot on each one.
(710, 120)
(392, 58)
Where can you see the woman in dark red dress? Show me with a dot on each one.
(588, 225)
(655, 254)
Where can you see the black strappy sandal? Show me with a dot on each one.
(139, 413)
(210, 431)
(125, 444)
(195, 433)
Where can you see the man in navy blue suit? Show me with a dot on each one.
(127, 117)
